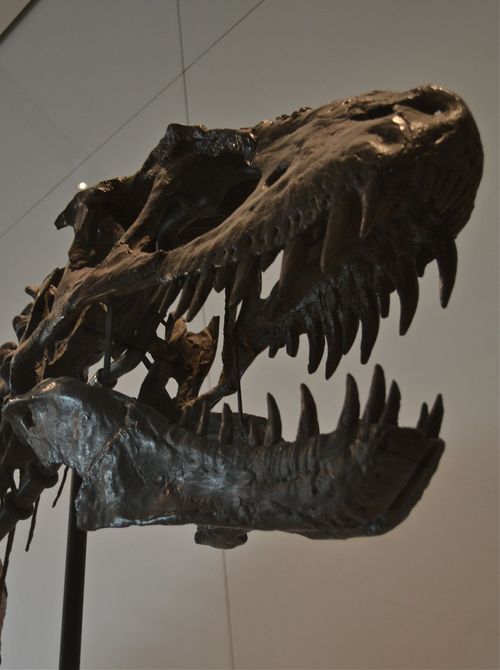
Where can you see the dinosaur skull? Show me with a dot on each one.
(359, 195)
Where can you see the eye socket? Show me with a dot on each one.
(182, 226)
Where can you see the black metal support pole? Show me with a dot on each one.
(74, 583)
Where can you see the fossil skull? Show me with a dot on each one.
(360, 196)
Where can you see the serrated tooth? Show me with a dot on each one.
(392, 405)
(170, 295)
(376, 397)
(169, 326)
(203, 288)
(384, 303)
(333, 334)
(349, 416)
(273, 428)
(308, 422)
(224, 276)
(292, 342)
(423, 417)
(407, 288)
(342, 229)
(446, 257)
(370, 322)
(369, 332)
(370, 203)
(384, 289)
(185, 420)
(204, 418)
(186, 295)
(247, 272)
(254, 434)
(202, 425)
(267, 258)
(433, 423)
(273, 349)
(292, 264)
(350, 325)
(316, 341)
(251, 300)
(226, 431)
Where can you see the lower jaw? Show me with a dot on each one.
(228, 475)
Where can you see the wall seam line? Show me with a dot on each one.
(122, 126)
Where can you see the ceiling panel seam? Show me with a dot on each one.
(125, 123)
(38, 108)
(183, 63)
(90, 155)
(224, 34)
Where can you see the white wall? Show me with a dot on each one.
(87, 89)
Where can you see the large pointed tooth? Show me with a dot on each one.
(186, 295)
(350, 325)
(171, 294)
(224, 277)
(185, 419)
(308, 422)
(370, 203)
(292, 264)
(384, 288)
(446, 256)
(407, 288)
(169, 326)
(316, 344)
(392, 405)
(247, 272)
(349, 415)
(433, 424)
(342, 229)
(384, 303)
(423, 417)
(376, 397)
(370, 322)
(202, 426)
(267, 258)
(273, 349)
(273, 428)
(226, 432)
(333, 333)
(369, 332)
(254, 434)
(205, 285)
(292, 342)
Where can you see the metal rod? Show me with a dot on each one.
(74, 584)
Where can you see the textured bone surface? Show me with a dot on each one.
(359, 195)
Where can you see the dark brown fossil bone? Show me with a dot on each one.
(360, 196)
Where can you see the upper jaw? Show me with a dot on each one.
(360, 194)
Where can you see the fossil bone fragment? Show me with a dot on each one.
(360, 196)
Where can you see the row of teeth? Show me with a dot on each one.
(380, 409)
(337, 324)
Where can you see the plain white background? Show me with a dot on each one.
(87, 89)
